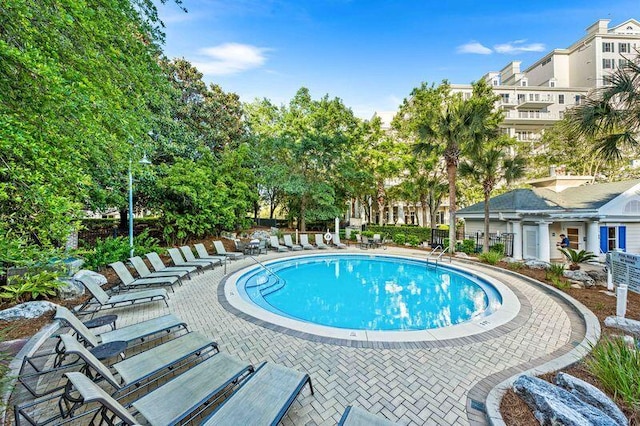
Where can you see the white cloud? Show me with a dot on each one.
(518, 46)
(474, 47)
(229, 58)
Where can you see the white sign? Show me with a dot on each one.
(625, 269)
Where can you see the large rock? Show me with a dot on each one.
(552, 405)
(27, 310)
(625, 324)
(591, 395)
(70, 288)
(580, 276)
(97, 278)
(536, 264)
(599, 276)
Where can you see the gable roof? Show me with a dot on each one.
(586, 197)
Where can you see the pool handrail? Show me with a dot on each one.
(270, 272)
(438, 254)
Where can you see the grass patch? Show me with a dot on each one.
(492, 257)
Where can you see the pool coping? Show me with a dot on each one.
(509, 317)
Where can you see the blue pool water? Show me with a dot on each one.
(369, 292)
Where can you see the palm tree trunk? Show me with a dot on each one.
(303, 208)
(485, 242)
(451, 176)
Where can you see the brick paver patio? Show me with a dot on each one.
(413, 386)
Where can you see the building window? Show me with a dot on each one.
(623, 63)
(523, 82)
(496, 82)
(608, 63)
(624, 48)
(521, 98)
(552, 84)
(505, 98)
(579, 99)
(613, 238)
(561, 99)
(607, 47)
(632, 206)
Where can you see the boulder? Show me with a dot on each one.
(27, 310)
(577, 285)
(97, 278)
(552, 405)
(537, 264)
(592, 396)
(262, 235)
(511, 260)
(462, 255)
(625, 324)
(599, 276)
(70, 288)
(580, 276)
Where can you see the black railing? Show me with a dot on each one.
(496, 240)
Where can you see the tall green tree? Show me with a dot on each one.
(611, 115)
(490, 164)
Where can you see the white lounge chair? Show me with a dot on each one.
(304, 242)
(320, 242)
(275, 244)
(289, 243)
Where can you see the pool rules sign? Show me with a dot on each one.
(625, 269)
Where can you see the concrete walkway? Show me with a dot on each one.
(440, 385)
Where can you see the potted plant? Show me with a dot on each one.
(575, 257)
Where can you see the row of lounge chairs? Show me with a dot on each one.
(304, 243)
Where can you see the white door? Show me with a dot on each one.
(530, 241)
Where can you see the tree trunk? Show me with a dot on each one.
(451, 176)
(424, 205)
(124, 219)
(485, 242)
(302, 224)
(380, 199)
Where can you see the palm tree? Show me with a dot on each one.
(490, 164)
(458, 126)
(611, 116)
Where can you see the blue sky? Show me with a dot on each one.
(371, 54)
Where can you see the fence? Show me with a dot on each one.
(505, 239)
(88, 237)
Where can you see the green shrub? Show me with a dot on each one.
(491, 257)
(399, 239)
(558, 282)
(423, 234)
(515, 266)
(555, 270)
(617, 365)
(413, 240)
(468, 246)
(117, 249)
(368, 234)
(497, 248)
(575, 257)
(31, 286)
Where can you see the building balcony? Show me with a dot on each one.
(514, 117)
(536, 102)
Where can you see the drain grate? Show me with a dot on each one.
(477, 405)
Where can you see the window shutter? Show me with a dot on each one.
(622, 237)
(603, 240)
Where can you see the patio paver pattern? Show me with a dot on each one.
(411, 386)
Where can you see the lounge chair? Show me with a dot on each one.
(304, 242)
(202, 252)
(354, 416)
(129, 334)
(178, 260)
(223, 252)
(338, 244)
(364, 242)
(159, 265)
(104, 301)
(145, 365)
(190, 257)
(262, 247)
(289, 243)
(275, 244)
(320, 242)
(262, 399)
(170, 403)
(127, 281)
(144, 272)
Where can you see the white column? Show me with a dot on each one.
(400, 214)
(517, 239)
(543, 241)
(593, 237)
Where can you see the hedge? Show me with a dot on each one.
(423, 234)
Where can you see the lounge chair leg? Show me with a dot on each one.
(310, 385)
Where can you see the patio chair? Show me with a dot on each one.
(144, 272)
(190, 257)
(354, 416)
(127, 281)
(158, 265)
(202, 252)
(129, 334)
(275, 244)
(289, 243)
(262, 399)
(378, 241)
(137, 369)
(337, 243)
(304, 242)
(364, 242)
(223, 252)
(320, 242)
(104, 301)
(178, 260)
(170, 403)
(262, 247)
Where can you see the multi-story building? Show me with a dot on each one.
(535, 98)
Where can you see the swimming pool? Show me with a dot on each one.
(365, 295)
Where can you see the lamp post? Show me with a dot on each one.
(144, 161)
